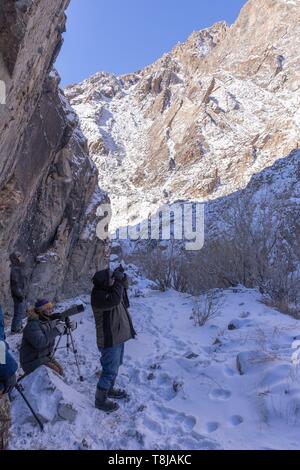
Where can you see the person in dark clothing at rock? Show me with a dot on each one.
(17, 287)
(113, 327)
(8, 380)
(8, 369)
(8, 365)
(39, 338)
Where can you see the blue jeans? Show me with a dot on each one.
(19, 311)
(111, 360)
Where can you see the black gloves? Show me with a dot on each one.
(119, 275)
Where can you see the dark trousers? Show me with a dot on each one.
(19, 313)
(111, 360)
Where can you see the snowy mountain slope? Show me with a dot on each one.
(185, 388)
(203, 119)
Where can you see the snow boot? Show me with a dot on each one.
(102, 403)
(117, 393)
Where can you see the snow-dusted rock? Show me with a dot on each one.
(237, 323)
(279, 394)
(249, 361)
(50, 397)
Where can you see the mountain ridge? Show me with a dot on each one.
(196, 126)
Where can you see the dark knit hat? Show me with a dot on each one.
(43, 304)
(15, 257)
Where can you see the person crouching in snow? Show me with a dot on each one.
(113, 327)
(38, 339)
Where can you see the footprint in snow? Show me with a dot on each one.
(235, 420)
(152, 425)
(220, 394)
(188, 422)
(229, 371)
(182, 422)
(212, 427)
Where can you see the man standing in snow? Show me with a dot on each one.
(113, 327)
(17, 287)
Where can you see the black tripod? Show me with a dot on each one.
(20, 389)
(70, 345)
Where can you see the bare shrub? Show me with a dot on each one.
(206, 308)
(157, 266)
(283, 293)
(257, 249)
(166, 267)
(281, 287)
(182, 273)
(249, 241)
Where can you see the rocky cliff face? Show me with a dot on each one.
(202, 120)
(48, 185)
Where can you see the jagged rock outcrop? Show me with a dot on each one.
(203, 119)
(48, 184)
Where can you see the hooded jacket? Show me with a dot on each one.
(37, 342)
(17, 278)
(8, 365)
(2, 333)
(110, 303)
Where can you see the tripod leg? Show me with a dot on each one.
(68, 345)
(76, 357)
(57, 345)
(20, 390)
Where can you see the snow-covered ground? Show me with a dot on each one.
(185, 388)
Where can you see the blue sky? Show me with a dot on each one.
(121, 36)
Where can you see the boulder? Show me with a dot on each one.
(51, 399)
(237, 323)
(248, 361)
(279, 395)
